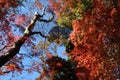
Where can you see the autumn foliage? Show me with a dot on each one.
(96, 38)
(5, 5)
(59, 69)
(66, 11)
(93, 47)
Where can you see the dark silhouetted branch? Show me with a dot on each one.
(49, 20)
(28, 32)
(40, 34)
(3, 48)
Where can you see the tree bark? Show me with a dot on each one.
(13, 51)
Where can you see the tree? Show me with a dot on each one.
(92, 46)
(28, 32)
(96, 39)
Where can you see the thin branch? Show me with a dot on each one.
(39, 34)
(44, 20)
(39, 18)
(4, 72)
(43, 11)
(5, 47)
(49, 20)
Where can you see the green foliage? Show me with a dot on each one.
(65, 22)
(86, 4)
(67, 11)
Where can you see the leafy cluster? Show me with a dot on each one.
(96, 38)
(68, 10)
(5, 6)
(63, 69)
(59, 35)
(93, 46)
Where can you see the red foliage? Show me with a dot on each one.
(12, 67)
(49, 55)
(1, 72)
(38, 4)
(5, 5)
(96, 40)
(20, 19)
(59, 64)
(60, 69)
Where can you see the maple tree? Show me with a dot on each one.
(92, 46)
(96, 39)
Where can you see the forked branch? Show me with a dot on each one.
(28, 32)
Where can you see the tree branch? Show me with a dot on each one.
(49, 20)
(28, 32)
(39, 34)
(3, 48)
(43, 11)
(13, 51)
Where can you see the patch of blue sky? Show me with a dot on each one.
(18, 76)
(6, 76)
(61, 52)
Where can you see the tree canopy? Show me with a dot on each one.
(88, 29)
(96, 38)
